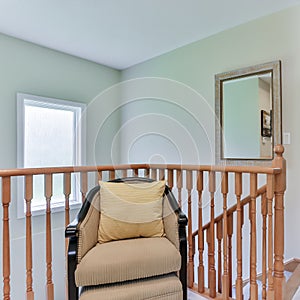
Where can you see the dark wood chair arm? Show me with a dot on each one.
(71, 232)
(71, 229)
(182, 219)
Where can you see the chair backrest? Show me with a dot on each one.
(89, 215)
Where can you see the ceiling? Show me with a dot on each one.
(122, 33)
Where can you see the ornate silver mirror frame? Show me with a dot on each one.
(271, 134)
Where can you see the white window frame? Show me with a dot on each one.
(80, 147)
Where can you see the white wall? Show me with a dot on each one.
(31, 69)
(267, 39)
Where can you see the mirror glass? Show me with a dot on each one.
(248, 113)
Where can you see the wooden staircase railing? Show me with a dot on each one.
(216, 237)
(271, 248)
(224, 227)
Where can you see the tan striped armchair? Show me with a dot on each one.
(103, 263)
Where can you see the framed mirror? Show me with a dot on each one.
(248, 114)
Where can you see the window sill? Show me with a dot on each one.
(39, 210)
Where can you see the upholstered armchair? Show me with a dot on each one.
(128, 242)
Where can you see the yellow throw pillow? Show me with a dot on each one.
(130, 210)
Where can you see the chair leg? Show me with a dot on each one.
(72, 288)
(183, 270)
(183, 279)
(183, 251)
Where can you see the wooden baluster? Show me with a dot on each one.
(28, 198)
(153, 174)
(270, 194)
(170, 180)
(264, 245)
(239, 244)
(200, 234)
(219, 237)
(112, 175)
(83, 185)
(189, 186)
(48, 195)
(225, 278)
(161, 174)
(253, 254)
(135, 172)
(146, 173)
(67, 193)
(279, 189)
(193, 254)
(179, 186)
(211, 254)
(242, 212)
(194, 248)
(6, 195)
(124, 173)
(99, 175)
(230, 233)
(208, 241)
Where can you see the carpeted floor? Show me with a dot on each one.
(194, 296)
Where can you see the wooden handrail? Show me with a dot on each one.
(69, 169)
(74, 169)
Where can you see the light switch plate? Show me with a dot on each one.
(286, 138)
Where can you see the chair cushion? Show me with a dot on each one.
(163, 287)
(127, 260)
(130, 210)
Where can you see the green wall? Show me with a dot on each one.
(177, 96)
(28, 68)
(266, 39)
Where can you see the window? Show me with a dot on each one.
(51, 133)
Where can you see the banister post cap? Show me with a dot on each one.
(279, 149)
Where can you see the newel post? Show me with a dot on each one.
(280, 187)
